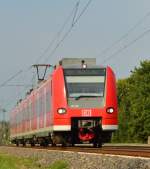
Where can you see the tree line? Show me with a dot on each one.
(134, 106)
(4, 132)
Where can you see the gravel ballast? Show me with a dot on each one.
(80, 160)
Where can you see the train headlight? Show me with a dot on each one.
(61, 110)
(110, 110)
(84, 65)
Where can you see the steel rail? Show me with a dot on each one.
(136, 151)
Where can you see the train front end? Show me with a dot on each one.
(88, 104)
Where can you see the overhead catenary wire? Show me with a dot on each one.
(74, 21)
(51, 43)
(15, 76)
(124, 36)
(65, 35)
(69, 30)
(73, 12)
(11, 78)
(82, 12)
(17, 85)
(126, 46)
(4, 84)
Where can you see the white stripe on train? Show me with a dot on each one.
(60, 128)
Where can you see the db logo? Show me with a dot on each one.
(86, 112)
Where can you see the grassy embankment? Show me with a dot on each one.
(11, 162)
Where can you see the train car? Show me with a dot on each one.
(76, 104)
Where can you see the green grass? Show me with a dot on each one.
(12, 162)
(59, 165)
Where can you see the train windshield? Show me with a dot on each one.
(85, 87)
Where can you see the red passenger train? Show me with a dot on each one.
(76, 104)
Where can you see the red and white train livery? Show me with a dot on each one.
(76, 104)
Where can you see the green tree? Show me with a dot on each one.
(4, 132)
(134, 106)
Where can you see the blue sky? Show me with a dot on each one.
(28, 26)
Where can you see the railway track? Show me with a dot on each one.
(136, 151)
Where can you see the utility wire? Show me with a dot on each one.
(59, 43)
(46, 50)
(4, 84)
(75, 13)
(11, 78)
(70, 29)
(75, 20)
(126, 46)
(14, 76)
(17, 85)
(60, 31)
(57, 35)
(125, 35)
(82, 12)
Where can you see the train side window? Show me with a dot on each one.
(51, 88)
(16, 120)
(22, 112)
(42, 103)
(27, 108)
(30, 110)
(36, 108)
(18, 114)
(48, 101)
(25, 116)
(17, 117)
(27, 113)
(40, 106)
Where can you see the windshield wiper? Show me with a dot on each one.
(77, 98)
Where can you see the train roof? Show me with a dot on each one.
(80, 67)
(77, 63)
